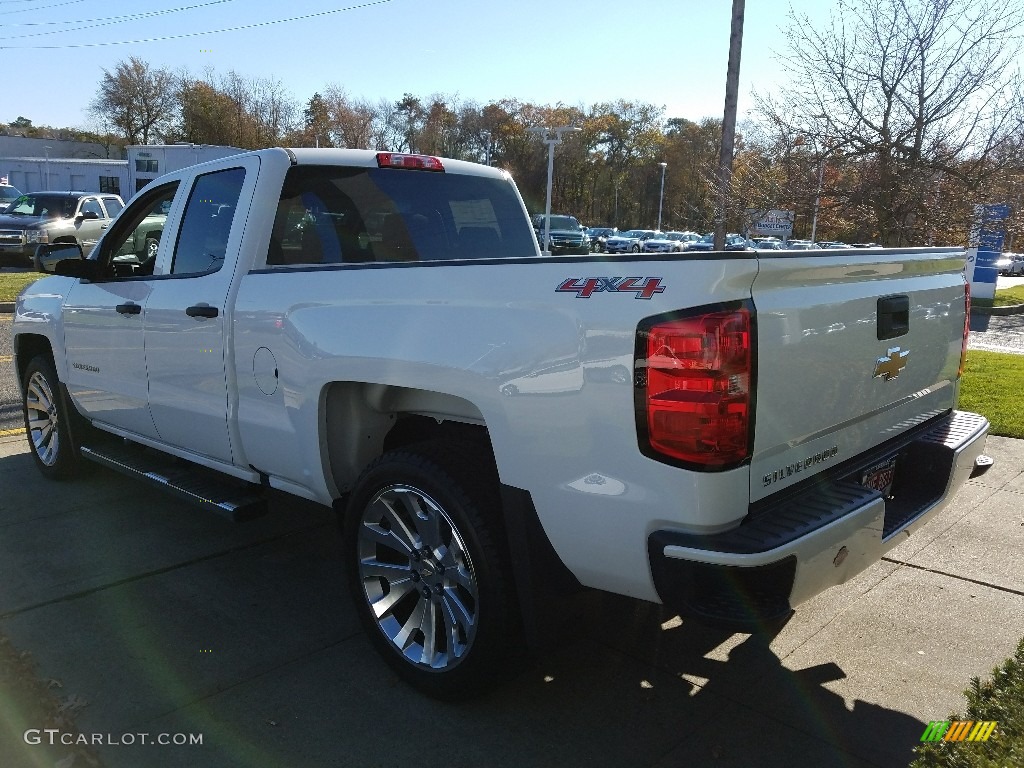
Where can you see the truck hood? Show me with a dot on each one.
(20, 222)
(852, 350)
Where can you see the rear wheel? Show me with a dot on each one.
(46, 420)
(426, 569)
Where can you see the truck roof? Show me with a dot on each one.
(368, 158)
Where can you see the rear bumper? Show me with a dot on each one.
(791, 548)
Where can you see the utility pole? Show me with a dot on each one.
(732, 83)
(661, 197)
(551, 137)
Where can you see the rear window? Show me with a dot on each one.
(334, 215)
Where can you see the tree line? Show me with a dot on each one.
(898, 117)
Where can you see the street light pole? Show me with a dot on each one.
(551, 137)
(46, 184)
(661, 198)
(487, 147)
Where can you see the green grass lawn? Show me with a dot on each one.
(1009, 296)
(11, 283)
(991, 385)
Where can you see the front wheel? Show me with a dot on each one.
(46, 420)
(426, 568)
(635, 249)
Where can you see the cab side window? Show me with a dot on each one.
(112, 205)
(130, 247)
(206, 224)
(92, 205)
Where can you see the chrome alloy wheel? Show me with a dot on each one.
(417, 577)
(41, 409)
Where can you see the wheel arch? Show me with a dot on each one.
(360, 421)
(28, 346)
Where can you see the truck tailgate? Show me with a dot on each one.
(853, 349)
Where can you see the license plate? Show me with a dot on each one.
(880, 476)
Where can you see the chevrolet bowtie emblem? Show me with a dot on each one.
(889, 367)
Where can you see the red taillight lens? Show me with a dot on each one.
(400, 160)
(967, 328)
(698, 388)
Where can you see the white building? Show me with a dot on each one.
(37, 174)
(122, 177)
(147, 161)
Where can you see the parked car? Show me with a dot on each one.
(800, 245)
(669, 242)
(567, 235)
(767, 243)
(8, 195)
(737, 242)
(598, 236)
(666, 242)
(733, 242)
(1017, 268)
(630, 241)
(1004, 264)
(39, 218)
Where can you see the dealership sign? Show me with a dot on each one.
(984, 247)
(771, 223)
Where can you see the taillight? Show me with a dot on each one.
(694, 389)
(400, 160)
(967, 329)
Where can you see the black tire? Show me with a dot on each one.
(636, 248)
(46, 420)
(427, 569)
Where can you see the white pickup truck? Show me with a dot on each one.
(729, 434)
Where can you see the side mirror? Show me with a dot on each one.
(47, 256)
(81, 268)
(88, 215)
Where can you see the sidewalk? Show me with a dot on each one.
(165, 620)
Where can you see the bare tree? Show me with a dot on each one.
(920, 93)
(141, 102)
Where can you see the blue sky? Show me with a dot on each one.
(670, 53)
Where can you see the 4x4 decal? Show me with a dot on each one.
(586, 287)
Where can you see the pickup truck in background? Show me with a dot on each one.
(40, 218)
(729, 434)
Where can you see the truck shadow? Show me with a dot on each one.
(730, 697)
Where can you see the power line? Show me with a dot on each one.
(195, 34)
(41, 7)
(110, 19)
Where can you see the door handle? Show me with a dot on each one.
(893, 317)
(202, 310)
(129, 309)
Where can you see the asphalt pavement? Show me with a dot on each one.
(153, 617)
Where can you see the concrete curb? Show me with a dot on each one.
(6, 307)
(1012, 309)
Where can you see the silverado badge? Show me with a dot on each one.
(890, 366)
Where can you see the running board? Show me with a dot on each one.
(234, 499)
